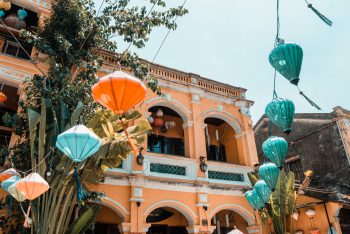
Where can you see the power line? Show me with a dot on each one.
(166, 36)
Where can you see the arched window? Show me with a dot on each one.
(167, 135)
(220, 141)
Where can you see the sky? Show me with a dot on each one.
(229, 41)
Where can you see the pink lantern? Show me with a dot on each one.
(32, 186)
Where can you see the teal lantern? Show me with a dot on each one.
(287, 58)
(10, 181)
(280, 111)
(269, 173)
(22, 14)
(263, 191)
(254, 200)
(275, 148)
(78, 143)
(2, 14)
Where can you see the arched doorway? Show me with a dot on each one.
(166, 220)
(228, 220)
(107, 222)
(220, 141)
(167, 135)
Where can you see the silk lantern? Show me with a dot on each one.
(18, 195)
(32, 186)
(263, 191)
(7, 174)
(269, 173)
(280, 111)
(287, 59)
(119, 92)
(22, 14)
(2, 14)
(78, 143)
(10, 181)
(14, 22)
(254, 200)
(275, 149)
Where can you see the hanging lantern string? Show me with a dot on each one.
(166, 36)
(38, 164)
(319, 14)
(278, 25)
(308, 99)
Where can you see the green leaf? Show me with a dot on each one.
(85, 219)
(33, 120)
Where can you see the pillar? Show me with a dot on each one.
(254, 229)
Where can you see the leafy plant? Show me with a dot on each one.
(60, 97)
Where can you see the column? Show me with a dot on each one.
(136, 209)
(254, 229)
(124, 228)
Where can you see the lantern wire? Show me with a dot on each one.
(32, 61)
(166, 36)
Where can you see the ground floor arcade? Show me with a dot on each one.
(140, 206)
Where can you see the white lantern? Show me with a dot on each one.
(295, 215)
(150, 120)
(310, 213)
(159, 113)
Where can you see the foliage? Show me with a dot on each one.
(282, 201)
(61, 97)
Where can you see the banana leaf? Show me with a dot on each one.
(290, 193)
(83, 222)
(33, 120)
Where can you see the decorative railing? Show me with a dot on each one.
(227, 176)
(173, 75)
(10, 47)
(168, 169)
(230, 174)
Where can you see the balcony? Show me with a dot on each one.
(228, 174)
(9, 46)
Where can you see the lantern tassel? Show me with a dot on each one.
(319, 14)
(26, 221)
(309, 100)
(81, 192)
(10, 206)
(132, 145)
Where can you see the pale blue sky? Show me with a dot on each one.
(230, 40)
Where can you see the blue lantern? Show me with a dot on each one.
(78, 143)
(22, 14)
(281, 113)
(263, 191)
(10, 181)
(287, 58)
(254, 200)
(276, 148)
(269, 173)
(2, 14)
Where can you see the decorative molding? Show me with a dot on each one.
(179, 206)
(124, 227)
(137, 192)
(134, 199)
(226, 116)
(246, 214)
(203, 198)
(188, 124)
(115, 203)
(14, 75)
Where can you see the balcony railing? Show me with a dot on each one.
(10, 47)
(225, 173)
(176, 76)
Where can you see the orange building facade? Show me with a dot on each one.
(198, 121)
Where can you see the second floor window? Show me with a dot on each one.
(216, 153)
(165, 145)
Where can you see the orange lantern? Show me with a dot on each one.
(315, 231)
(3, 97)
(32, 186)
(119, 92)
(8, 174)
(158, 122)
